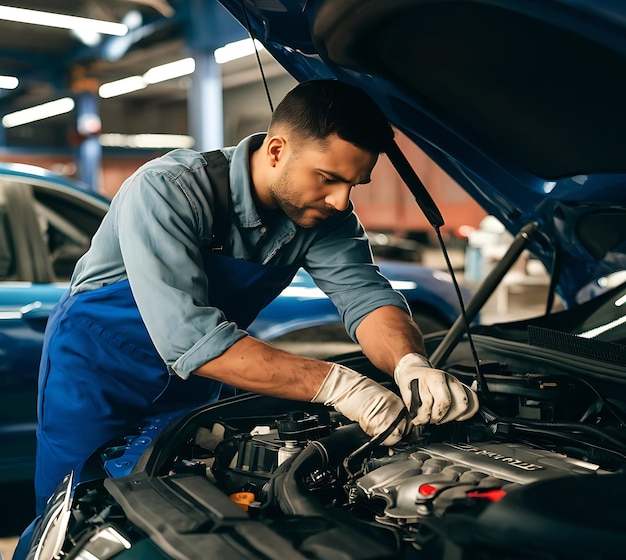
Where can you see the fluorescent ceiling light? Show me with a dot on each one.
(170, 71)
(8, 82)
(120, 87)
(38, 112)
(50, 19)
(146, 140)
(87, 37)
(238, 49)
(155, 75)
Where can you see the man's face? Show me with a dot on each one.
(315, 181)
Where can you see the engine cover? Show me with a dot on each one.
(425, 481)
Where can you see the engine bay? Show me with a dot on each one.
(538, 473)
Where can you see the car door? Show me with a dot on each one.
(44, 229)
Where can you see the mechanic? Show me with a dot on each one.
(156, 313)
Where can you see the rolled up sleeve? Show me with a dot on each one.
(160, 227)
(341, 264)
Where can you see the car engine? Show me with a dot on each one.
(539, 473)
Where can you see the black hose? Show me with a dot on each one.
(376, 440)
(530, 430)
(588, 429)
(291, 492)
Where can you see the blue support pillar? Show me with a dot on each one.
(209, 26)
(205, 108)
(89, 151)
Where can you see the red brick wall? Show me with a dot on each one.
(388, 204)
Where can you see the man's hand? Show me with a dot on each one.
(363, 400)
(431, 395)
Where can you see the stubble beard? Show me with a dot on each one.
(286, 201)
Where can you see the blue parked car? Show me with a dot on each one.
(46, 224)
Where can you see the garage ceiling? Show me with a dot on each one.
(44, 57)
(53, 62)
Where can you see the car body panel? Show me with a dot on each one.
(521, 103)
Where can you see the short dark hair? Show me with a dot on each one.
(318, 108)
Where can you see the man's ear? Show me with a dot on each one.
(276, 147)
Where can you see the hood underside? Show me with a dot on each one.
(522, 104)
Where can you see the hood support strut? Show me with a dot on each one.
(484, 292)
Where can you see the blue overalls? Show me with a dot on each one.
(100, 373)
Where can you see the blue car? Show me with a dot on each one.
(522, 103)
(47, 222)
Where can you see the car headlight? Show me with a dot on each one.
(55, 520)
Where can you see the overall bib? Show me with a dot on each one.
(100, 374)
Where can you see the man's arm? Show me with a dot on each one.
(252, 365)
(388, 334)
(394, 344)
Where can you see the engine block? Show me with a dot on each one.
(427, 480)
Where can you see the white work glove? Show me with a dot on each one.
(364, 401)
(431, 395)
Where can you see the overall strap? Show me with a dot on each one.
(217, 170)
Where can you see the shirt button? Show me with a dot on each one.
(263, 229)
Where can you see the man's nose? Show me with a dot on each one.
(339, 197)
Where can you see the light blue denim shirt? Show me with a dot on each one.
(161, 217)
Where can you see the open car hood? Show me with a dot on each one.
(521, 103)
